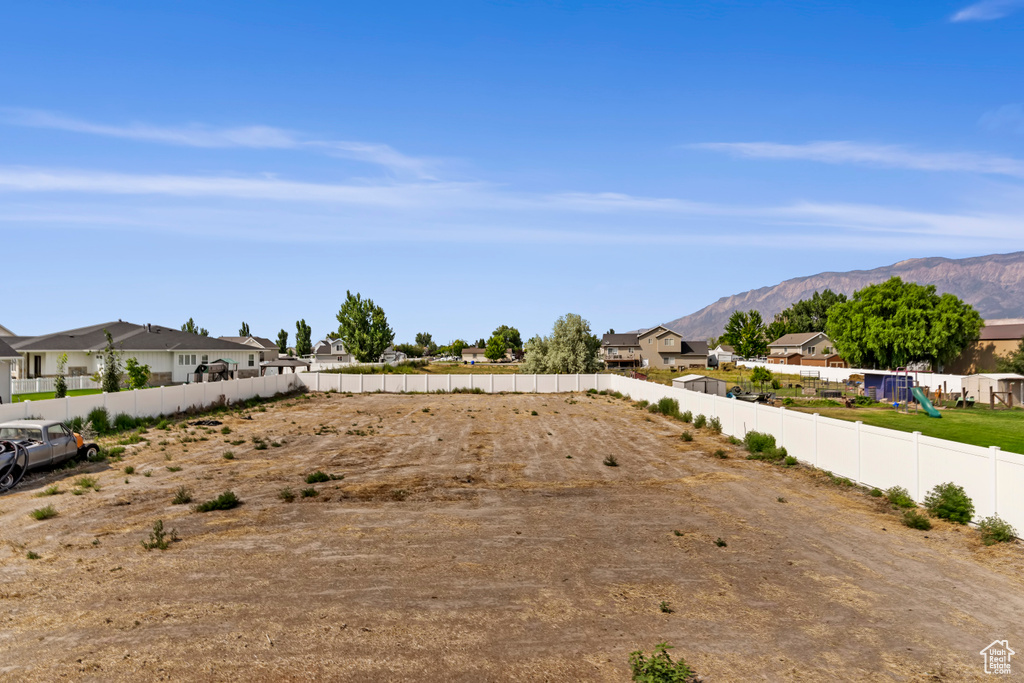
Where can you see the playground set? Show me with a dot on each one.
(902, 389)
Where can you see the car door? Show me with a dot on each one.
(60, 442)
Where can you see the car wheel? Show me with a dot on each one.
(90, 452)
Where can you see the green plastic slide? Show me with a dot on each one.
(929, 409)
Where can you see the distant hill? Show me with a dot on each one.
(994, 285)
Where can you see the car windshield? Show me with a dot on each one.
(21, 433)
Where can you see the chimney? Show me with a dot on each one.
(149, 328)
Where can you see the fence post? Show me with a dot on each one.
(449, 383)
(25, 414)
(816, 439)
(405, 383)
(858, 424)
(471, 381)
(162, 400)
(135, 395)
(67, 409)
(577, 382)
(491, 390)
(917, 467)
(993, 455)
(535, 382)
(318, 381)
(514, 374)
(361, 383)
(734, 430)
(782, 425)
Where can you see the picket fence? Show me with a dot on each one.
(39, 385)
(932, 380)
(151, 402)
(871, 456)
(868, 455)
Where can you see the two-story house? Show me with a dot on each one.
(331, 351)
(621, 350)
(804, 348)
(666, 349)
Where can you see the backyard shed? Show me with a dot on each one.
(998, 387)
(700, 384)
(7, 356)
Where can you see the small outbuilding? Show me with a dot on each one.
(995, 388)
(7, 357)
(700, 384)
(281, 364)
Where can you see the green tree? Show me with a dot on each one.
(138, 374)
(745, 332)
(410, 350)
(571, 348)
(761, 376)
(426, 342)
(1013, 361)
(457, 346)
(192, 328)
(60, 385)
(513, 340)
(111, 378)
(480, 343)
(244, 330)
(303, 338)
(895, 323)
(496, 347)
(282, 342)
(806, 315)
(364, 328)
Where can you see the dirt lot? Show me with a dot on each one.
(473, 541)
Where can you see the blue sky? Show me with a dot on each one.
(474, 164)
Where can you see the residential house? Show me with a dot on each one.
(701, 384)
(172, 355)
(8, 356)
(666, 349)
(474, 353)
(804, 348)
(331, 351)
(392, 356)
(4, 332)
(620, 350)
(997, 338)
(266, 349)
(723, 353)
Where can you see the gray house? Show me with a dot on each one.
(7, 357)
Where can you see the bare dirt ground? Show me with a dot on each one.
(473, 541)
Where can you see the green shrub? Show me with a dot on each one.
(183, 496)
(163, 424)
(700, 421)
(876, 493)
(533, 412)
(734, 441)
(669, 407)
(228, 455)
(915, 520)
(610, 461)
(900, 497)
(100, 419)
(686, 436)
(864, 401)
(641, 404)
(158, 539)
(287, 495)
(665, 607)
(720, 543)
(225, 430)
(310, 493)
(173, 468)
(317, 477)
(949, 501)
(658, 667)
(224, 501)
(52, 490)
(47, 512)
(720, 453)
(788, 461)
(758, 442)
(87, 483)
(996, 530)
(715, 425)
(129, 470)
(123, 422)
(32, 555)
(687, 417)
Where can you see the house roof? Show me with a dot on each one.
(1000, 376)
(472, 349)
(5, 332)
(660, 329)
(796, 339)
(780, 354)
(127, 337)
(689, 378)
(6, 351)
(621, 339)
(727, 348)
(262, 341)
(998, 332)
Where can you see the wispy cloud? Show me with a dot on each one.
(987, 10)
(1009, 117)
(250, 137)
(891, 156)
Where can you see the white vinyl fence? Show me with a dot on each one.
(152, 402)
(41, 384)
(872, 456)
(932, 380)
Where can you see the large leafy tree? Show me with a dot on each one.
(513, 340)
(282, 342)
(895, 323)
(426, 343)
(363, 327)
(496, 347)
(571, 348)
(806, 315)
(457, 346)
(746, 334)
(303, 338)
(1013, 361)
(410, 350)
(192, 328)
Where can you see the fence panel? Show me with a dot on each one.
(505, 383)
(799, 431)
(837, 447)
(888, 458)
(969, 466)
(769, 421)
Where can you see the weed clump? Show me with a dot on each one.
(310, 493)
(287, 495)
(158, 538)
(129, 470)
(665, 607)
(52, 490)
(317, 477)
(899, 497)
(47, 512)
(700, 421)
(610, 461)
(876, 493)
(715, 425)
(32, 555)
(720, 453)
(686, 417)
(658, 667)
(994, 530)
(686, 436)
(762, 447)
(949, 501)
(224, 501)
(788, 461)
(720, 543)
(228, 455)
(183, 496)
(915, 520)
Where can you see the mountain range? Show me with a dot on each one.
(993, 284)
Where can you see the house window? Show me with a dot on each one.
(252, 360)
(613, 351)
(671, 361)
(206, 359)
(186, 359)
(261, 357)
(810, 350)
(669, 341)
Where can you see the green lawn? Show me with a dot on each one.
(978, 426)
(42, 396)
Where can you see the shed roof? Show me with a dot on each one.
(999, 376)
(621, 339)
(997, 332)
